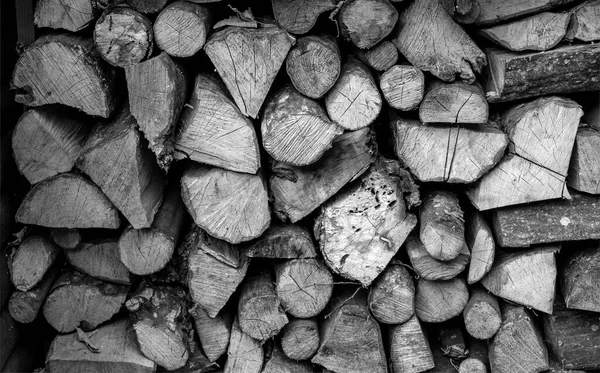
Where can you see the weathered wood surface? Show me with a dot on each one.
(392, 295)
(403, 86)
(100, 258)
(409, 348)
(280, 363)
(456, 102)
(72, 15)
(66, 238)
(579, 275)
(299, 16)
(482, 315)
(24, 306)
(442, 226)
(245, 354)
(480, 240)
(585, 22)
(492, 11)
(213, 333)
(584, 168)
(283, 241)
(366, 22)
(31, 260)
(430, 268)
(439, 301)
(181, 28)
(381, 57)
(300, 338)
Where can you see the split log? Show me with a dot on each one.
(237, 52)
(280, 363)
(584, 169)
(478, 360)
(480, 240)
(214, 131)
(47, 141)
(445, 50)
(462, 11)
(392, 295)
(296, 129)
(100, 259)
(71, 16)
(409, 348)
(148, 250)
(300, 338)
(147, 6)
(482, 314)
(430, 268)
(10, 336)
(456, 102)
(298, 191)
(541, 134)
(439, 301)
(24, 306)
(550, 221)
(380, 57)
(585, 22)
(117, 351)
(181, 29)
(452, 343)
(442, 226)
(157, 90)
(66, 238)
(361, 229)
(403, 86)
(518, 346)
(245, 354)
(492, 12)
(197, 362)
(513, 76)
(354, 101)
(351, 340)
(531, 274)
(314, 65)
(451, 154)
(366, 22)
(74, 75)
(31, 260)
(579, 276)
(303, 286)
(286, 241)
(161, 324)
(117, 160)
(123, 36)
(299, 16)
(230, 206)
(213, 333)
(77, 300)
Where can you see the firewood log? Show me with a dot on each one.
(531, 274)
(280, 363)
(573, 336)
(181, 29)
(24, 306)
(229, 205)
(314, 65)
(452, 342)
(445, 50)
(197, 362)
(380, 57)
(578, 279)
(392, 295)
(214, 131)
(513, 76)
(100, 258)
(592, 116)
(361, 229)
(518, 346)
(66, 238)
(245, 354)
(439, 301)
(31, 260)
(354, 101)
(216, 268)
(541, 134)
(492, 12)
(456, 102)
(303, 286)
(403, 87)
(300, 338)
(213, 333)
(114, 349)
(147, 6)
(72, 16)
(442, 228)
(451, 154)
(148, 250)
(298, 191)
(47, 141)
(556, 367)
(157, 90)
(284, 241)
(409, 348)
(298, 17)
(585, 22)
(161, 324)
(296, 129)
(584, 169)
(480, 240)
(430, 268)
(551, 221)
(77, 300)
(73, 75)
(462, 11)
(478, 361)
(117, 160)
(237, 52)
(351, 340)
(10, 336)
(366, 22)
(482, 315)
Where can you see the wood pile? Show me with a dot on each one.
(308, 186)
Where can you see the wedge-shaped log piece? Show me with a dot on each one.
(299, 16)
(439, 301)
(351, 339)
(409, 348)
(584, 169)
(366, 22)
(296, 129)
(245, 354)
(24, 306)
(430, 268)
(280, 363)
(248, 61)
(214, 131)
(381, 57)
(525, 277)
(361, 229)
(392, 295)
(451, 154)
(68, 201)
(66, 238)
(229, 205)
(492, 12)
(480, 240)
(445, 50)
(482, 314)
(297, 191)
(454, 103)
(72, 15)
(213, 333)
(181, 29)
(300, 338)
(585, 22)
(100, 259)
(403, 87)
(518, 347)
(579, 279)
(117, 352)
(478, 360)
(284, 241)
(117, 160)
(442, 228)
(30, 261)
(65, 69)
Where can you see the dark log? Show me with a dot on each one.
(442, 228)
(478, 361)
(284, 241)
(380, 57)
(409, 348)
(181, 29)
(66, 238)
(480, 240)
(428, 267)
(300, 338)
(280, 363)
(456, 102)
(585, 22)
(592, 116)
(482, 315)
(10, 336)
(245, 354)
(23, 358)
(584, 169)
(492, 12)
(147, 6)
(299, 16)
(366, 22)
(213, 333)
(403, 86)
(5, 285)
(72, 16)
(100, 259)
(579, 275)
(392, 295)
(24, 306)
(31, 260)
(439, 301)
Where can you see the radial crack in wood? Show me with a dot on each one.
(181, 29)
(403, 87)
(456, 102)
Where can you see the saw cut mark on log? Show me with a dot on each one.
(245, 354)
(71, 15)
(300, 338)
(442, 226)
(409, 348)
(585, 22)
(392, 295)
(366, 22)
(584, 169)
(30, 261)
(456, 102)
(66, 238)
(439, 301)
(299, 16)
(482, 315)
(100, 259)
(381, 57)
(213, 333)
(480, 239)
(403, 86)
(283, 241)
(181, 29)
(579, 276)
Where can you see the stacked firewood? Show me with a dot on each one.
(404, 186)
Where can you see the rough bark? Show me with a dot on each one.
(24, 306)
(213, 333)
(492, 12)
(245, 354)
(300, 338)
(31, 260)
(584, 168)
(442, 228)
(284, 241)
(403, 87)
(100, 259)
(579, 276)
(439, 301)
(181, 29)
(380, 57)
(430, 268)
(482, 314)
(66, 238)
(299, 16)
(585, 22)
(392, 295)
(480, 240)
(456, 102)
(409, 348)
(366, 22)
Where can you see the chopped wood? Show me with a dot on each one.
(213, 333)
(442, 228)
(380, 57)
(480, 240)
(298, 191)
(456, 102)
(392, 295)
(439, 301)
(284, 241)
(73, 75)
(66, 238)
(482, 314)
(100, 259)
(492, 12)
(280, 363)
(300, 338)
(354, 101)
(430, 268)
(245, 354)
(10, 335)
(578, 279)
(584, 169)
(478, 360)
(31, 260)
(299, 16)
(74, 15)
(237, 52)
(24, 306)
(366, 22)
(462, 11)
(148, 6)
(409, 348)
(181, 29)
(585, 22)
(403, 86)
(592, 116)
(452, 343)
